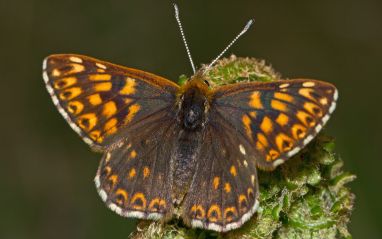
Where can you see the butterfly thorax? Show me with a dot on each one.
(193, 104)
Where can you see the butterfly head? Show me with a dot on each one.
(193, 103)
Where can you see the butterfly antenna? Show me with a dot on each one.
(245, 29)
(183, 36)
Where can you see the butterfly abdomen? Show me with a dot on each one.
(184, 164)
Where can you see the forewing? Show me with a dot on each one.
(277, 118)
(98, 98)
(133, 178)
(224, 191)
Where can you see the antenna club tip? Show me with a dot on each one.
(250, 23)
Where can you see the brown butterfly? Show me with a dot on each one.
(189, 150)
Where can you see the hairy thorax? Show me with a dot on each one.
(193, 104)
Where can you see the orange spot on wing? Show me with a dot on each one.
(95, 99)
(298, 131)
(233, 171)
(99, 139)
(133, 154)
(282, 119)
(305, 118)
(121, 196)
(107, 171)
(100, 77)
(76, 68)
(262, 139)
(96, 136)
(113, 179)
(324, 101)
(138, 197)
(132, 173)
(110, 126)
(259, 146)
(227, 187)
(127, 100)
(306, 92)
(129, 87)
(313, 109)
(70, 93)
(255, 100)
(109, 109)
(214, 213)
(87, 121)
(156, 204)
(198, 211)
(247, 125)
(133, 110)
(65, 82)
(284, 97)
(266, 125)
(56, 73)
(230, 213)
(105, 86)
(243, 203)
(284, 142)
(146, 172)
(272, 155)
(253, 114)
(278, 105)
(75, 107)
(216, 182)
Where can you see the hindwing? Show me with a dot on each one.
(133, 178)
(224, 193)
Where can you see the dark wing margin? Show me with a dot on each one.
(98, 98)
(224, 193)
(277, 118)
(133, 178)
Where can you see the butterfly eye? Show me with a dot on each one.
(206, 82)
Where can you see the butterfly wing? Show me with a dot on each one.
(224, 192)
(133, 178)
(100, 99)
(277, 118)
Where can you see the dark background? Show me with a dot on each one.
(46, 172)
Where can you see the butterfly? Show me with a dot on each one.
(189, 151)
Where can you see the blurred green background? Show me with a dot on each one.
(46, 172)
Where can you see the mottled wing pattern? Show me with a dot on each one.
(277, 118)
(99, 98)
(224, 192)
(133, 178)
